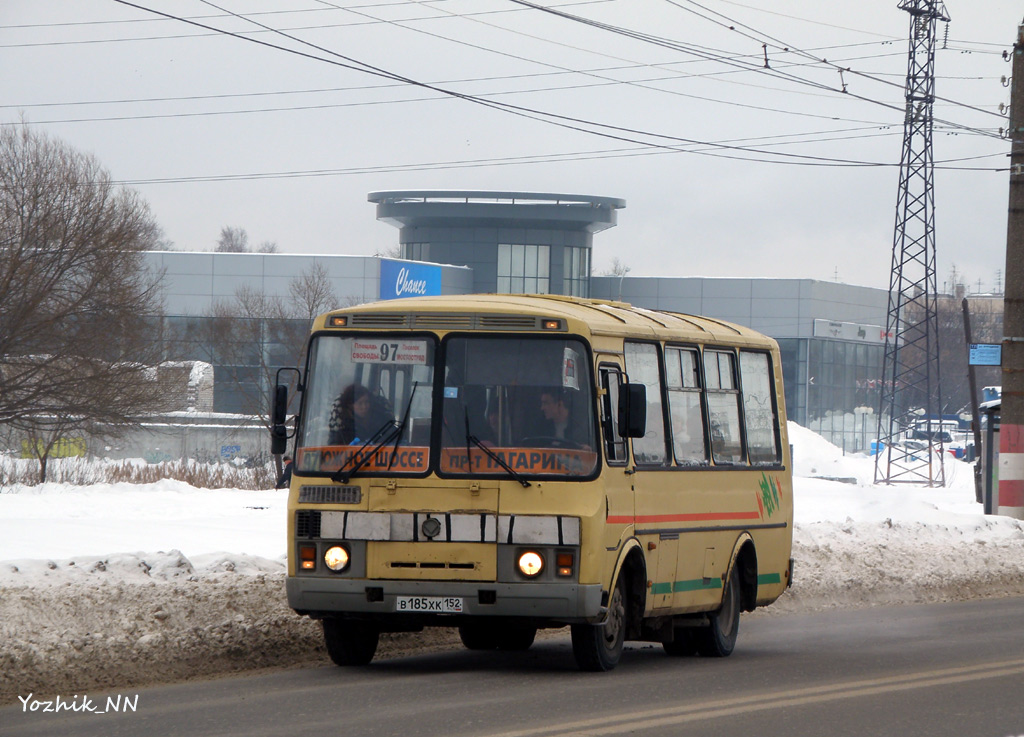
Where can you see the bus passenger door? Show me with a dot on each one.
(657, 503)
(617, 475)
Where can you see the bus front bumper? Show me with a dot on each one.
(558, 602)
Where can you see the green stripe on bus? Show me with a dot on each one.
(699, 584)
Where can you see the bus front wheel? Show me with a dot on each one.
(598, 647)
(719, 639)
(349, 641)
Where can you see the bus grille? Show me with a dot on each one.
(509, 322)
(452, 321)
(307, 523)
(330, 495)
(378, 320)
(445, 321)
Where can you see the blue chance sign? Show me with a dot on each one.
(408, 279)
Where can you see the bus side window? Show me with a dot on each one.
(682, 380)
(723, 406)
(614, 443)
(758, 407)
(644, 367)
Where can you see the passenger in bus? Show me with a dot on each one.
(492, 433)
(356, 416)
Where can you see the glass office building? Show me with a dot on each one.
(459, 242)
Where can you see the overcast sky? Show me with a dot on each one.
(170, 106)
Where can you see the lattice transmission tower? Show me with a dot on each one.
(910, 407)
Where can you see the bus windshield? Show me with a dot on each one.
(509, 406)
(360, 391)
(528, 400)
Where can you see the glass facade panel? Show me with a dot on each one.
(523, 269)
(843, 391)
(576, 277)
(416, 251)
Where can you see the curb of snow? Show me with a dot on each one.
(133, 620)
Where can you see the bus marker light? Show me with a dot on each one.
(530, 563)
(552, 324)
(336, 558)
(337, 321)
(307, 557)
(564, 563)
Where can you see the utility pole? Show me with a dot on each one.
(972, 382)
(1011, 432)
(910, 399)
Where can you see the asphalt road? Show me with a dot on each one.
(948, 669)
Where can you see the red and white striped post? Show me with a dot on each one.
(1011, 432)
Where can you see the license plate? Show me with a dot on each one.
(429, 604)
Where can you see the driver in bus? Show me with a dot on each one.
(356, 416)
(556, 414)
(558, 423)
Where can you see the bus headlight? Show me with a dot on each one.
(531, 564)
(336, 558)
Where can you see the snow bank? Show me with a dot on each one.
(214, 601)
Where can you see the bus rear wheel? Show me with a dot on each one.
(598, 647)
(349, 641)
(719, 639)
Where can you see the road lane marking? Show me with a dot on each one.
(651, 718)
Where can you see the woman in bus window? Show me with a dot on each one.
(355, 416)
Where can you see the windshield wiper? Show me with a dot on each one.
(490, 454)
(395, 433)
(401, 427)
(342, 475)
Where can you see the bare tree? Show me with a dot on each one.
(267, 247)
(618, 268)
(79, 305)
(233, 240)
(312, 293)
(156, 240)
(391, 252)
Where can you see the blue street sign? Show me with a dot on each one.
(986, 354)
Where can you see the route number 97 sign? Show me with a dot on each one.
(385, 350)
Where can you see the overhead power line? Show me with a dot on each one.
(619, 133)
(733, 25)
(486, 162)
(800, 51)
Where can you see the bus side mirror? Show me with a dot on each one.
(633, 411)
(278, 417)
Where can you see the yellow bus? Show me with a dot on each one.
(504, 463)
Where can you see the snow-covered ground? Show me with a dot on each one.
(99, 583)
